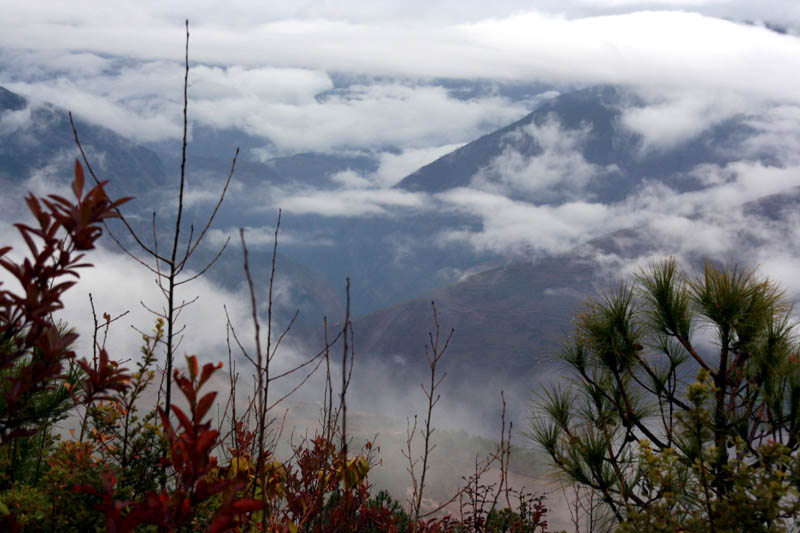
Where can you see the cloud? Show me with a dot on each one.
(604, 4)
(350, 179)
(778, 133)
(291, 109)
(346, 193)
(349, 202)
(668, 48)
(710, 221)
(245, 13)
(361, 116)
(563, 291)
(669, 120)
(264, 237)
(558, 170)
(41, 64)
(117, 284)
(521, 227)
(781, 264)
(393, 167)
(291, 86)
(743, 181)
(102, 109)
(769, 244)
(320, 78)
(15, 122)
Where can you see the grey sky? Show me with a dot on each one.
(266, 67)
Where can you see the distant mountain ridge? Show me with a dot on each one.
(510, 310)
(35, 135)
(616, 151)
(11, 101)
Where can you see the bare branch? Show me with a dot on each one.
(283, 334)
(236, 338)
(208, 265)
(116, 209)
(294, 389)
(153, 311)
(202, 234)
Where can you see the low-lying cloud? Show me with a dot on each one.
(709, 220)
(350, 202)
(558, 170)
(669, 120)
(262, 237)
(289, 109)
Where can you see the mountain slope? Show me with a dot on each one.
(35, 136)
(507, 320)
(592, 122)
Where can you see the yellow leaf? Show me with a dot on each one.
(239, 464)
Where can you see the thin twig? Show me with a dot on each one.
(202, 234)
(116, 209)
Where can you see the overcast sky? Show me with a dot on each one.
(265, 65)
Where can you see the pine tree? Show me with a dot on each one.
(685, 407)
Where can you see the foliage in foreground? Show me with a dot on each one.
(124, 470)
(684, 414)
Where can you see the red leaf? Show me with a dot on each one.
(246, 506)
(191, 361)
(208, 370)
(183, 419)
(203, 405)
(207, 441)
(168, 429)
(77, 185)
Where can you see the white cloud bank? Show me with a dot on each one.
(708, 222)
(558, 170)
(348, 202)
(293, 109)
(663, 48)
(266, 68)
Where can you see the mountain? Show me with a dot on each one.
(10, 101)
(615, 155)
(510, 309)
(579, 141)
(211, 153)
(35, 136)
(577, 146)
(507, 319)
(509, 323)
